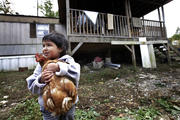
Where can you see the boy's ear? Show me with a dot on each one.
(60, 50)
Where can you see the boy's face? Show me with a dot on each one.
(50, 50)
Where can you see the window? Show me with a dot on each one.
(42, 29)
(39, 30)
(52, 27)
(32, 30)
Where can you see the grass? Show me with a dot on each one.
(150, 112)
(22, 105)
(89, 114)
(26, 106)
(92, 77)
(168, 106)
(29, 110)
(143, 113)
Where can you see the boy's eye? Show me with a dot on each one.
(48, 44)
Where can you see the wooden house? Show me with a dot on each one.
(91, 27)
(92, 24)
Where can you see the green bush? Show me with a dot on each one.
(90, 114)
(29, 110)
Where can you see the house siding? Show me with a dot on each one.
(15, 39)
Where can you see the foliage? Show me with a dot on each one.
(29, 110)
(143, 113)
(91, 114)
(24, 106)
(149, 113)
(176, 37)
(46, 9)
(168, 106)
(5, 7)
(178, 30)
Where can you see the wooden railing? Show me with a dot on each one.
(113, 25)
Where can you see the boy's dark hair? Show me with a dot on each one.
(59, 39)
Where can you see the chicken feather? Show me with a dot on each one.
(60, 93)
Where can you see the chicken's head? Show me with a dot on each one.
(40, 58)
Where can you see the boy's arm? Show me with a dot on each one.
(33, 81)
(72, 69)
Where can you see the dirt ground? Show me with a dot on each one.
(131, 89)
(108, 91)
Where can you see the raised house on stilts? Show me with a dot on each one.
(114, 23)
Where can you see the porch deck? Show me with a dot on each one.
(109, 27)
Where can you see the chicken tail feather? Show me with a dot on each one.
(66, 104)
(50, 103)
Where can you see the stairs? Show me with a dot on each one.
(161, 54)
(174, 53)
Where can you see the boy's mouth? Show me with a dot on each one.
(45, 54)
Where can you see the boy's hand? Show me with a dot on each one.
(49, 72)
(54, 67)
(46, 75)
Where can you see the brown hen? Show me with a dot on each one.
(60, 93)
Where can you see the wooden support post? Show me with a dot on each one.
(129, 16)
(67, 18)
(68, 26)
(128, 48)
(108, 55)
(76, 48)
(133, 55)
(69, 48)
(159, 15)
(143, 29)
(163, 16)
(168, 53)
(147, 54)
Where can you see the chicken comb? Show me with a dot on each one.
(40, 57)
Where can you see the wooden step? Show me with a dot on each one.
(176, 58)
(173, 54)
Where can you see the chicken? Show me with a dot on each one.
(60, 93)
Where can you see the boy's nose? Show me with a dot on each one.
(45, 47)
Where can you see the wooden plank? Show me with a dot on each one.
(76, 48)
(137, 42)
(110, 21)
(125, 43)
(133, 55)
(128, 48)
(67, 17)
(128, 16)
(28, 19)
(72, 21)
(163, 16)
